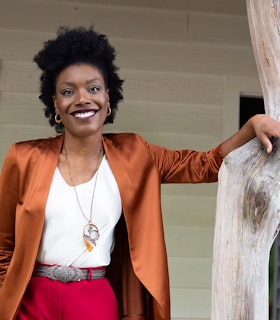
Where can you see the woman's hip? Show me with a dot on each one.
(49, 299)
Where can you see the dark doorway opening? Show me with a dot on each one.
(248, 107)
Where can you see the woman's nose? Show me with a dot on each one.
(82, 97)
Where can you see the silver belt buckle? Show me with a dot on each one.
(64, 274)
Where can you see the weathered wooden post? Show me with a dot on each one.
(248, 202)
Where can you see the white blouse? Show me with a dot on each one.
(62, 241)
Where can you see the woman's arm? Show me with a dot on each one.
(8, 202)
(262, 126)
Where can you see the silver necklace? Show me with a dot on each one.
(90, 230)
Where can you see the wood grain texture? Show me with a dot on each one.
(247, 219)
(247, 222)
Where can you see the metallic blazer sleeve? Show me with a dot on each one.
(9, 194)
(186, 166)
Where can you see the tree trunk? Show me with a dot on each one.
(248, 202)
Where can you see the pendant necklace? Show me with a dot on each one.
(90, 230)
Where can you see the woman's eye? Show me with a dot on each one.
(94, 89)
(67, 92)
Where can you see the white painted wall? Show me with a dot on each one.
(185, 64)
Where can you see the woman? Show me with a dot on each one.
(84, 203)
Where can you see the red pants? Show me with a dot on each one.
(46, 299)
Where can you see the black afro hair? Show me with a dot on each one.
(72, 46)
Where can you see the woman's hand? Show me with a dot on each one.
(261, 125)
(265, 128)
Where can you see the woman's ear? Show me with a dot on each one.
(54, 101)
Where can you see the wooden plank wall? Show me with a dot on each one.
(184, 64)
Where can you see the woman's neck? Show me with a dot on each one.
(89, 147)
(80, 159)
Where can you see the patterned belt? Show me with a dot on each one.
(68, 274)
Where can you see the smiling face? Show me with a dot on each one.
(81, 100)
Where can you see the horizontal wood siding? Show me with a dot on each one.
(185, 64)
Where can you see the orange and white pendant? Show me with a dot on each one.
(90, 236)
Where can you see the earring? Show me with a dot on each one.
(109, 112)
(57, 119)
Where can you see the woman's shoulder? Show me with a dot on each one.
(125, 141)
(36, 147)
(124, 138)
(38, 143)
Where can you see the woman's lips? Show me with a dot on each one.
(83, 114)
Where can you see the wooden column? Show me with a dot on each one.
(248, 202)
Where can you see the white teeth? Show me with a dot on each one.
(84, 114)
